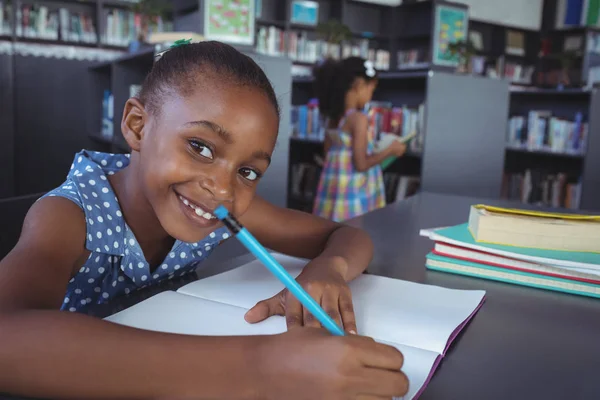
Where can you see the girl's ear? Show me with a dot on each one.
(132, 124)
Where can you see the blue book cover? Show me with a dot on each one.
(302, 121)
(573, 12)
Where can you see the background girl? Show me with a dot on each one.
(351, 182)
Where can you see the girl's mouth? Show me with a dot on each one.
(199, 211)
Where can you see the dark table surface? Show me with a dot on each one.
(524, 343)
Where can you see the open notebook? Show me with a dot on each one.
(420, 320)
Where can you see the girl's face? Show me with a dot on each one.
(206, 149)
(365, 90)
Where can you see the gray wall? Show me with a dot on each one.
(465, 133)
(273, 185)
(590, 193)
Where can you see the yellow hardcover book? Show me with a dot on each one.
(539, 214)
(535, 229)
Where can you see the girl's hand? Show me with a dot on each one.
(397, 148)
(305, 364)
(323, 279)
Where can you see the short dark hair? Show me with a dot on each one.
(178, 69)
(333, 79)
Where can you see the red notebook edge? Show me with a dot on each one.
(497, 265)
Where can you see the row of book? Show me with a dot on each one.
(5, 18)
(123, 27)
(549, 251)
(541, 131)
(401, 121)
(297, 45)
(413, 58)
(42, 22)
(577, 13)
(535, 186)
(307, 122)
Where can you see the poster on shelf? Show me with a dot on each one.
(305, 12)
(451, 25)
(230, 21)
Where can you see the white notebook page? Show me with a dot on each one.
(392, 310)
(177, 313)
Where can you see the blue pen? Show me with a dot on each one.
(267, 259)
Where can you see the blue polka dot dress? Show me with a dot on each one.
(116, 264)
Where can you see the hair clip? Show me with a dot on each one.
(369, 68)
(181, 42)
(177, 43)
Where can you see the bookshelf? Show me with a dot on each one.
(454, 136)
(551, 147)
(109, 24)
(46, 47)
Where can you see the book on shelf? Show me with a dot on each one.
(536, 186)
(123, 26)
(577, 13)
(535, 229)
(107, 114)
(419, 320)
(542, 131)
(299, 47)
(307, 122)
(413, 58)
(5, 18)
(404, 122)
(44, 22)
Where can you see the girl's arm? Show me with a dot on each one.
(363, 161)
(45, 352)
(304, 235)
(49, 353)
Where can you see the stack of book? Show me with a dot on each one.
(552, 251)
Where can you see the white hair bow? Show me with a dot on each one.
(369, 69)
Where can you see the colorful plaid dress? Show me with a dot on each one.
(344, 192)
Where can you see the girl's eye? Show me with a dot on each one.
(201, 149)
(249, 174)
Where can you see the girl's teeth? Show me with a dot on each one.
(197, 210)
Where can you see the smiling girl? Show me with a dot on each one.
(202, 131)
